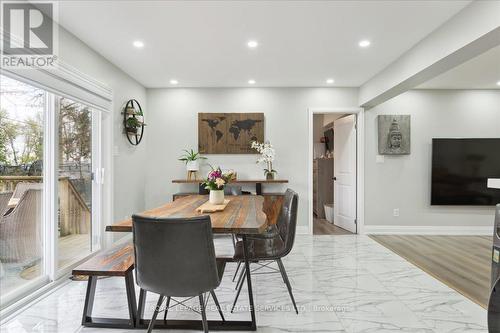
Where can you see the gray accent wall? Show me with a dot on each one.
(404, 182)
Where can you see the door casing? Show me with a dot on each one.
(360, 184)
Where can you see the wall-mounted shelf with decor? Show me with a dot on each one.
(133, 122)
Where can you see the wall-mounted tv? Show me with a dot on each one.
(460, 171)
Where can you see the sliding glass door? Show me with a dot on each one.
(22, 113)
(75, 181)
(49, 186)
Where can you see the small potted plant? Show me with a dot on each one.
(215, 183)
(132, 124)
(191, 158)
(267, 154)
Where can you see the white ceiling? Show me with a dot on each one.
(482, 72)
(203, 43)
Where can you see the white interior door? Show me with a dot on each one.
(344, 186)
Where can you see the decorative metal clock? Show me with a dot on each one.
(133, 122)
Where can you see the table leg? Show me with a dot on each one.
(249, 282)
(140, 308)
(132, 304)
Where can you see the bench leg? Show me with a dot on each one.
(89, 300)
(89, 321)
(132, 304)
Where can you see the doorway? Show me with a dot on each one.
(335, 182)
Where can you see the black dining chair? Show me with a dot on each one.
(175, 257)
(272, 245)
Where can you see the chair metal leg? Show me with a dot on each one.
(166, 308)
(240, 279)
(287, 282)
(217, 304)
(237, 269)
(203, 314)
(155, 314)
(239, 291)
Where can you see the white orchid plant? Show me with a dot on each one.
(267, 155)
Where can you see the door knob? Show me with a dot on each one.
(334, 178)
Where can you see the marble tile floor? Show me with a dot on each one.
(341, 284)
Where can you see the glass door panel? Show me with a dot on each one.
(22, 108)
(75, 179)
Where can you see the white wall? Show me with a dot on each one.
(404, 182)
(129, 169)
(173, 123)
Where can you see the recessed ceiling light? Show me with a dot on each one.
(252, 44)
(251, 81)
(138, 44)
(174, 82)
(330, 81)
(364, 43)
(498, 83)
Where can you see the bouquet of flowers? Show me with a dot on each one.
(267, 154)
(216, 179)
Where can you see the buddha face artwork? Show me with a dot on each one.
(394, 134)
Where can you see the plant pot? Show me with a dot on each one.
(132, 130)
(270, 175)
(193, 165)
(216, 197)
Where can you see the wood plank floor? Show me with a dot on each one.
(461, 262)
(323, 227)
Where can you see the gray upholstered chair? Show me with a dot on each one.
(175, 257)
(23, 187)
(273, 247)
(20, 230)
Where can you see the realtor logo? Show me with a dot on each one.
(28, 34)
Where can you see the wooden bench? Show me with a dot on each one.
(115, 261)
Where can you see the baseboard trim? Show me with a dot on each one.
(302, 230)
(428, 230)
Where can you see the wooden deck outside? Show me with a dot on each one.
(70, 248)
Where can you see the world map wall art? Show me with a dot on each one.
(229, 133)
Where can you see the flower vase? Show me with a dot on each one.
(270, 176)
(216, 197)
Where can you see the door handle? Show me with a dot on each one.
(334, 178)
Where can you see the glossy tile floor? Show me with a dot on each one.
(341, 284)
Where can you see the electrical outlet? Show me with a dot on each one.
(395, 212)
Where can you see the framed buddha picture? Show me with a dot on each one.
(394, 134)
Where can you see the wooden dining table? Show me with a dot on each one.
(243, 216)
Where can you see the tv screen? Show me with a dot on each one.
(460, 171)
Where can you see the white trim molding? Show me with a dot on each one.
(428, 230)
(360, 162)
